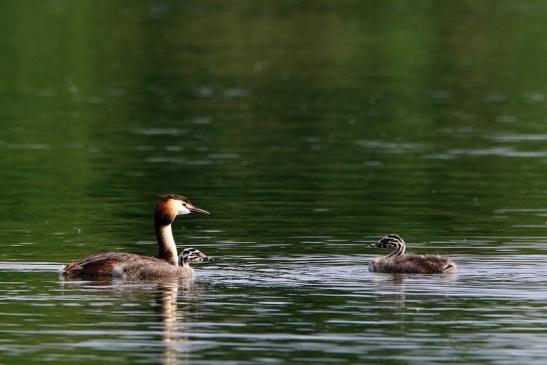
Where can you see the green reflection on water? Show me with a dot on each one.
(359, 118)
(303, 126)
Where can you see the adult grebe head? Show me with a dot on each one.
(191, 254)
(171, 205)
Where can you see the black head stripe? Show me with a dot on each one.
(191, 255)
(393, 242)
(395, 237)
(166, 197)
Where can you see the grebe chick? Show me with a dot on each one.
(128, 265)
(191, 254)
(399, 262)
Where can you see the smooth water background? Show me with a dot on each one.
(308, 129)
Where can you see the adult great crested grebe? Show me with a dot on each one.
(128, 265)
(398, 262)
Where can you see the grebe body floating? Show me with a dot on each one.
(399, 262)
(128, 265)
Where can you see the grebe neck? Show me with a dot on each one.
(398, 249)
(166, 244)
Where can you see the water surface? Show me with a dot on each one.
(308, 129)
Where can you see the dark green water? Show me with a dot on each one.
(308, 129)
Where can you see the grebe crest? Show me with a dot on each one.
(190, 255)
(399, 262)
(122, 264)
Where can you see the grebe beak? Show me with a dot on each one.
(193, 209)
(372, 245)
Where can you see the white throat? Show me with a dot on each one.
(167, 246)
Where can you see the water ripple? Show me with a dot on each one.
(350, 311)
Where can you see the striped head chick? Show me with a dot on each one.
(192, 255)
(394, 242)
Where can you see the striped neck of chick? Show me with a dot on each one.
(393, 242)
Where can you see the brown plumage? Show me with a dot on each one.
(125, 265)
(128, 265)
(399, 262)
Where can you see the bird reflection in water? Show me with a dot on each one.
(391, 287)
(173, 300)
(394, 288)
(174, 315)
